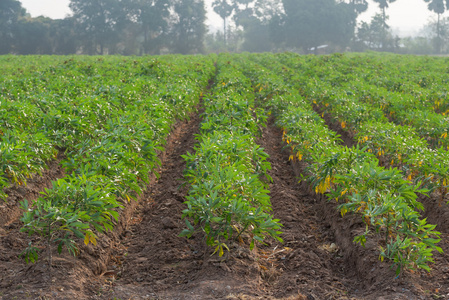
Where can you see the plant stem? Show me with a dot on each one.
(49, 251)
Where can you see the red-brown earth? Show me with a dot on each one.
(144, 258)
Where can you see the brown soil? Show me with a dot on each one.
(145, 259)
(318, 259)
(83, 276)
(435, 284)
(10, 209)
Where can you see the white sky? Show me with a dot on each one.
(406, 16)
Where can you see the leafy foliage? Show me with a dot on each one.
(228, 198)
(386, 201)
(111, 122)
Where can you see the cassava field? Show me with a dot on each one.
(250, 176)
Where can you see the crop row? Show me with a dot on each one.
(228, 197)
(414, 106)
(386, 202)
(75, 101)
(111, 119)
(421, 80)
(406, 110)
(409, 90)
(394, 145)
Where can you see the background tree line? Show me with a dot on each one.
(138, 27)
(128, 27)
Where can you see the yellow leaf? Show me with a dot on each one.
(86, 239)
(343, 124)
(263, 267)
(127, 197)
(92, 239)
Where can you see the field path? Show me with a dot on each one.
(309, 265)
(151, 250)
(157, 264)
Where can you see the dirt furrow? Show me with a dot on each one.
(151, 256)
(77, 278)
(160, 265)
(10, 210)
(374, 278)
(307, 265)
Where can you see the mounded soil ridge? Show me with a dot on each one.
(144, 258)
(78, 277)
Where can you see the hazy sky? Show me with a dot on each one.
(406, 16)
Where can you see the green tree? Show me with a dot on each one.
(98, 23)
(373, 35)
(416, 45)
(370, 34)
(151, 16)
(32, 36)
(243, 12)
(224, 9)
(188, 29)
(62, 35)
(256, 17)
(310, 23)
(383, 5)
(262, 10)
(10, 13)
(359, 6)
(438, 7)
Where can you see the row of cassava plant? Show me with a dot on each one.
(352, 177)
(228, 197)
(421, 81)
(404, 109)
(111, 136)
(352, 80)
(395, 145)
(54, 106)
